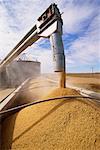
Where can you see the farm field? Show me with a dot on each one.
(85, 75)
(86, 81)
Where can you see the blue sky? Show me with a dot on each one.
(81, 32)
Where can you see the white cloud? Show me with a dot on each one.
(74, 15)
(86, 49)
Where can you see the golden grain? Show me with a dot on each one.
(54, 125)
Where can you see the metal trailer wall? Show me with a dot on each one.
(18, 71)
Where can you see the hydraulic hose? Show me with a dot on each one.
(45, 100)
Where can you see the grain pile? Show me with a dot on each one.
(54, 125)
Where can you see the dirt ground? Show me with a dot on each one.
(86, 83)
(54, 125)
(85, 75)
